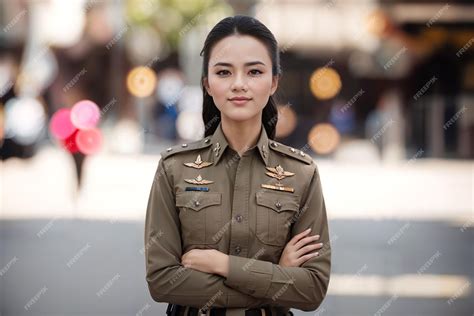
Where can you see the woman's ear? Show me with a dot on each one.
(205, 83)
(275, 80)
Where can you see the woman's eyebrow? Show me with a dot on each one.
(250, 63)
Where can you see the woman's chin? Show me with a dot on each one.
(240, 116)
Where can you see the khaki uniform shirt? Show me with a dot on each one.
(239, 217)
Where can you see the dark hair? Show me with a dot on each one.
(244, 25)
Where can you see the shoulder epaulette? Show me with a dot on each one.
(205, 142)
(290, 151)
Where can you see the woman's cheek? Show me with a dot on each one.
(219, 89)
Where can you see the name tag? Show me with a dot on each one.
(205, 189)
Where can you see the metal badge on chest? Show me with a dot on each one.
(278, 173)
(198, 164)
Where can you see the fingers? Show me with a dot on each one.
(308, 248)
(305, 258)
(297, 237)
(306, 240)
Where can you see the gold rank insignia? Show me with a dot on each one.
(198, 163)
(278, 187)
(198, 180)
(279, 174)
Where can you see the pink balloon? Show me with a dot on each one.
(60, 124)
(89, 141)
(70, 143)
(85, 114)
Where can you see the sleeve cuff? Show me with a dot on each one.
(249, 276)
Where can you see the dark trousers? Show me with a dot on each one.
(179, 310)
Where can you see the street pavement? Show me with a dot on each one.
(83, 267)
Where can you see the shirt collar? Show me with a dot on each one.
(219, 144)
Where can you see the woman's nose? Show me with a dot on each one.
(239, 83)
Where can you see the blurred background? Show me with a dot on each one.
(379, 92)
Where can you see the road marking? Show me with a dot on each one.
(406, 285)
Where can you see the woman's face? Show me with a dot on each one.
(240, 67)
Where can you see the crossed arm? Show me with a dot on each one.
(203, 278)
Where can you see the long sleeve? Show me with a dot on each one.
(169, 281)
(301, 287)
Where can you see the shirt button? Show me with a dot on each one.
(278, 205)
(196, 203)
(238, 218)
(237, 249)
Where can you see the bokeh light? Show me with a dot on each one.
(61, 125)
(59, 22)
(85, 114)
(127, 137)
(143, 45)
(140, 11)
(189, 125)
(89, 141)
(323, 138)
(287, 120)
(377, 23)
(70, 143)
(141, 81)
(24, 120)
(325, 83)
(170, 86)
(190, 99)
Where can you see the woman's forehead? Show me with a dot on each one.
(239, 50)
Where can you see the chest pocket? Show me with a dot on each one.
(200, 214)
(276, 212)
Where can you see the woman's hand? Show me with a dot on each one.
(295, 250)
(206, 260)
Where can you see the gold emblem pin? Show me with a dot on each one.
(278, 173)
(278, 188)
(198, 163)
(198, 180)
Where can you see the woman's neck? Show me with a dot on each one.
(241, 135)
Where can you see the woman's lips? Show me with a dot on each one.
(239, 101)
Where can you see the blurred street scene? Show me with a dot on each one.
(379, 92)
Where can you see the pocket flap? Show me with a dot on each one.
(197, 200)
(278, 201)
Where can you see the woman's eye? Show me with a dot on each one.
(222, 72)
(255, 72)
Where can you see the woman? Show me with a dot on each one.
(227, 215)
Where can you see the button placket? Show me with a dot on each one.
(240, 228)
